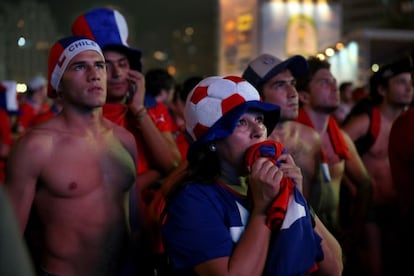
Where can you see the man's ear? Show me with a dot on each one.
(381, 90)
(59, 90)
(303, 97)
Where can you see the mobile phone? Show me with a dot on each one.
(131, 91)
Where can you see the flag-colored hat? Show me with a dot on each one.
(109, 29)
(215, 105)
(60, 55)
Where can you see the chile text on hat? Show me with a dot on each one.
(62, 53)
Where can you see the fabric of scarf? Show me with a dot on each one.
(295, 247)
(277, 211)
(334, 132)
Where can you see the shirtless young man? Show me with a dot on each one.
(73, 172)
(319, 95)
(275, 81)
(129, 105)
(392, 92)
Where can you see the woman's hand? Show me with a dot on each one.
(264, 183)
(290, 170)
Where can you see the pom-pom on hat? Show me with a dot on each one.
(109, 29)
(60, 55)
(266, 66)
(215, 105)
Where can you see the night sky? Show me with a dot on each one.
(151, 24)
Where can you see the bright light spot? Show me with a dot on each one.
(189, 31)
(339, 46)
(293, 7)
(21, 88)
(159, 55)
(21, 42)
(172, 70)
(329, 52)
(323, 9)
(374, 67)
(320, 56)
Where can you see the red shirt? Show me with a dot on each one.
(5, 138)
(119, 114)
(401, 157)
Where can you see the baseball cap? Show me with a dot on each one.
(386, 72)
(60, 55)
(215, 105)
(109, 29)
(266, 66)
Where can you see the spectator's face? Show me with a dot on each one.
(323, 92)
(84, 80)
(41, 92)
(249, 130)
(400, 90)
(280, 90)
(117, 71)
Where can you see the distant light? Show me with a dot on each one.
(189, 31)
(172, 70)
(21, 41)
(21, 88)
(374, 67)
(339, 46)
(159, 55)
(329, 52)
(293, 6)
(320, 56)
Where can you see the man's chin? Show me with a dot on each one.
(115, 98)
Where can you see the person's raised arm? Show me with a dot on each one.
(162, 146)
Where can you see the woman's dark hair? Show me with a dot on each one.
(202, 167)
(203, 164)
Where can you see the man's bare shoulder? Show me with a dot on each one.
(307, 133)
(32, 150)
(124, 135)
(37, 138)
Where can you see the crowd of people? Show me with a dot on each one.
(278, 171)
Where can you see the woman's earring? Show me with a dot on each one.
(212, 147)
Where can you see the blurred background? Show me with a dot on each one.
(208, 37)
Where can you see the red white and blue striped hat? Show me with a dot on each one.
(60, 55)
(109, 29)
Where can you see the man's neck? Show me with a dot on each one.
(391, 111)
(319, 119)
(281, 130)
